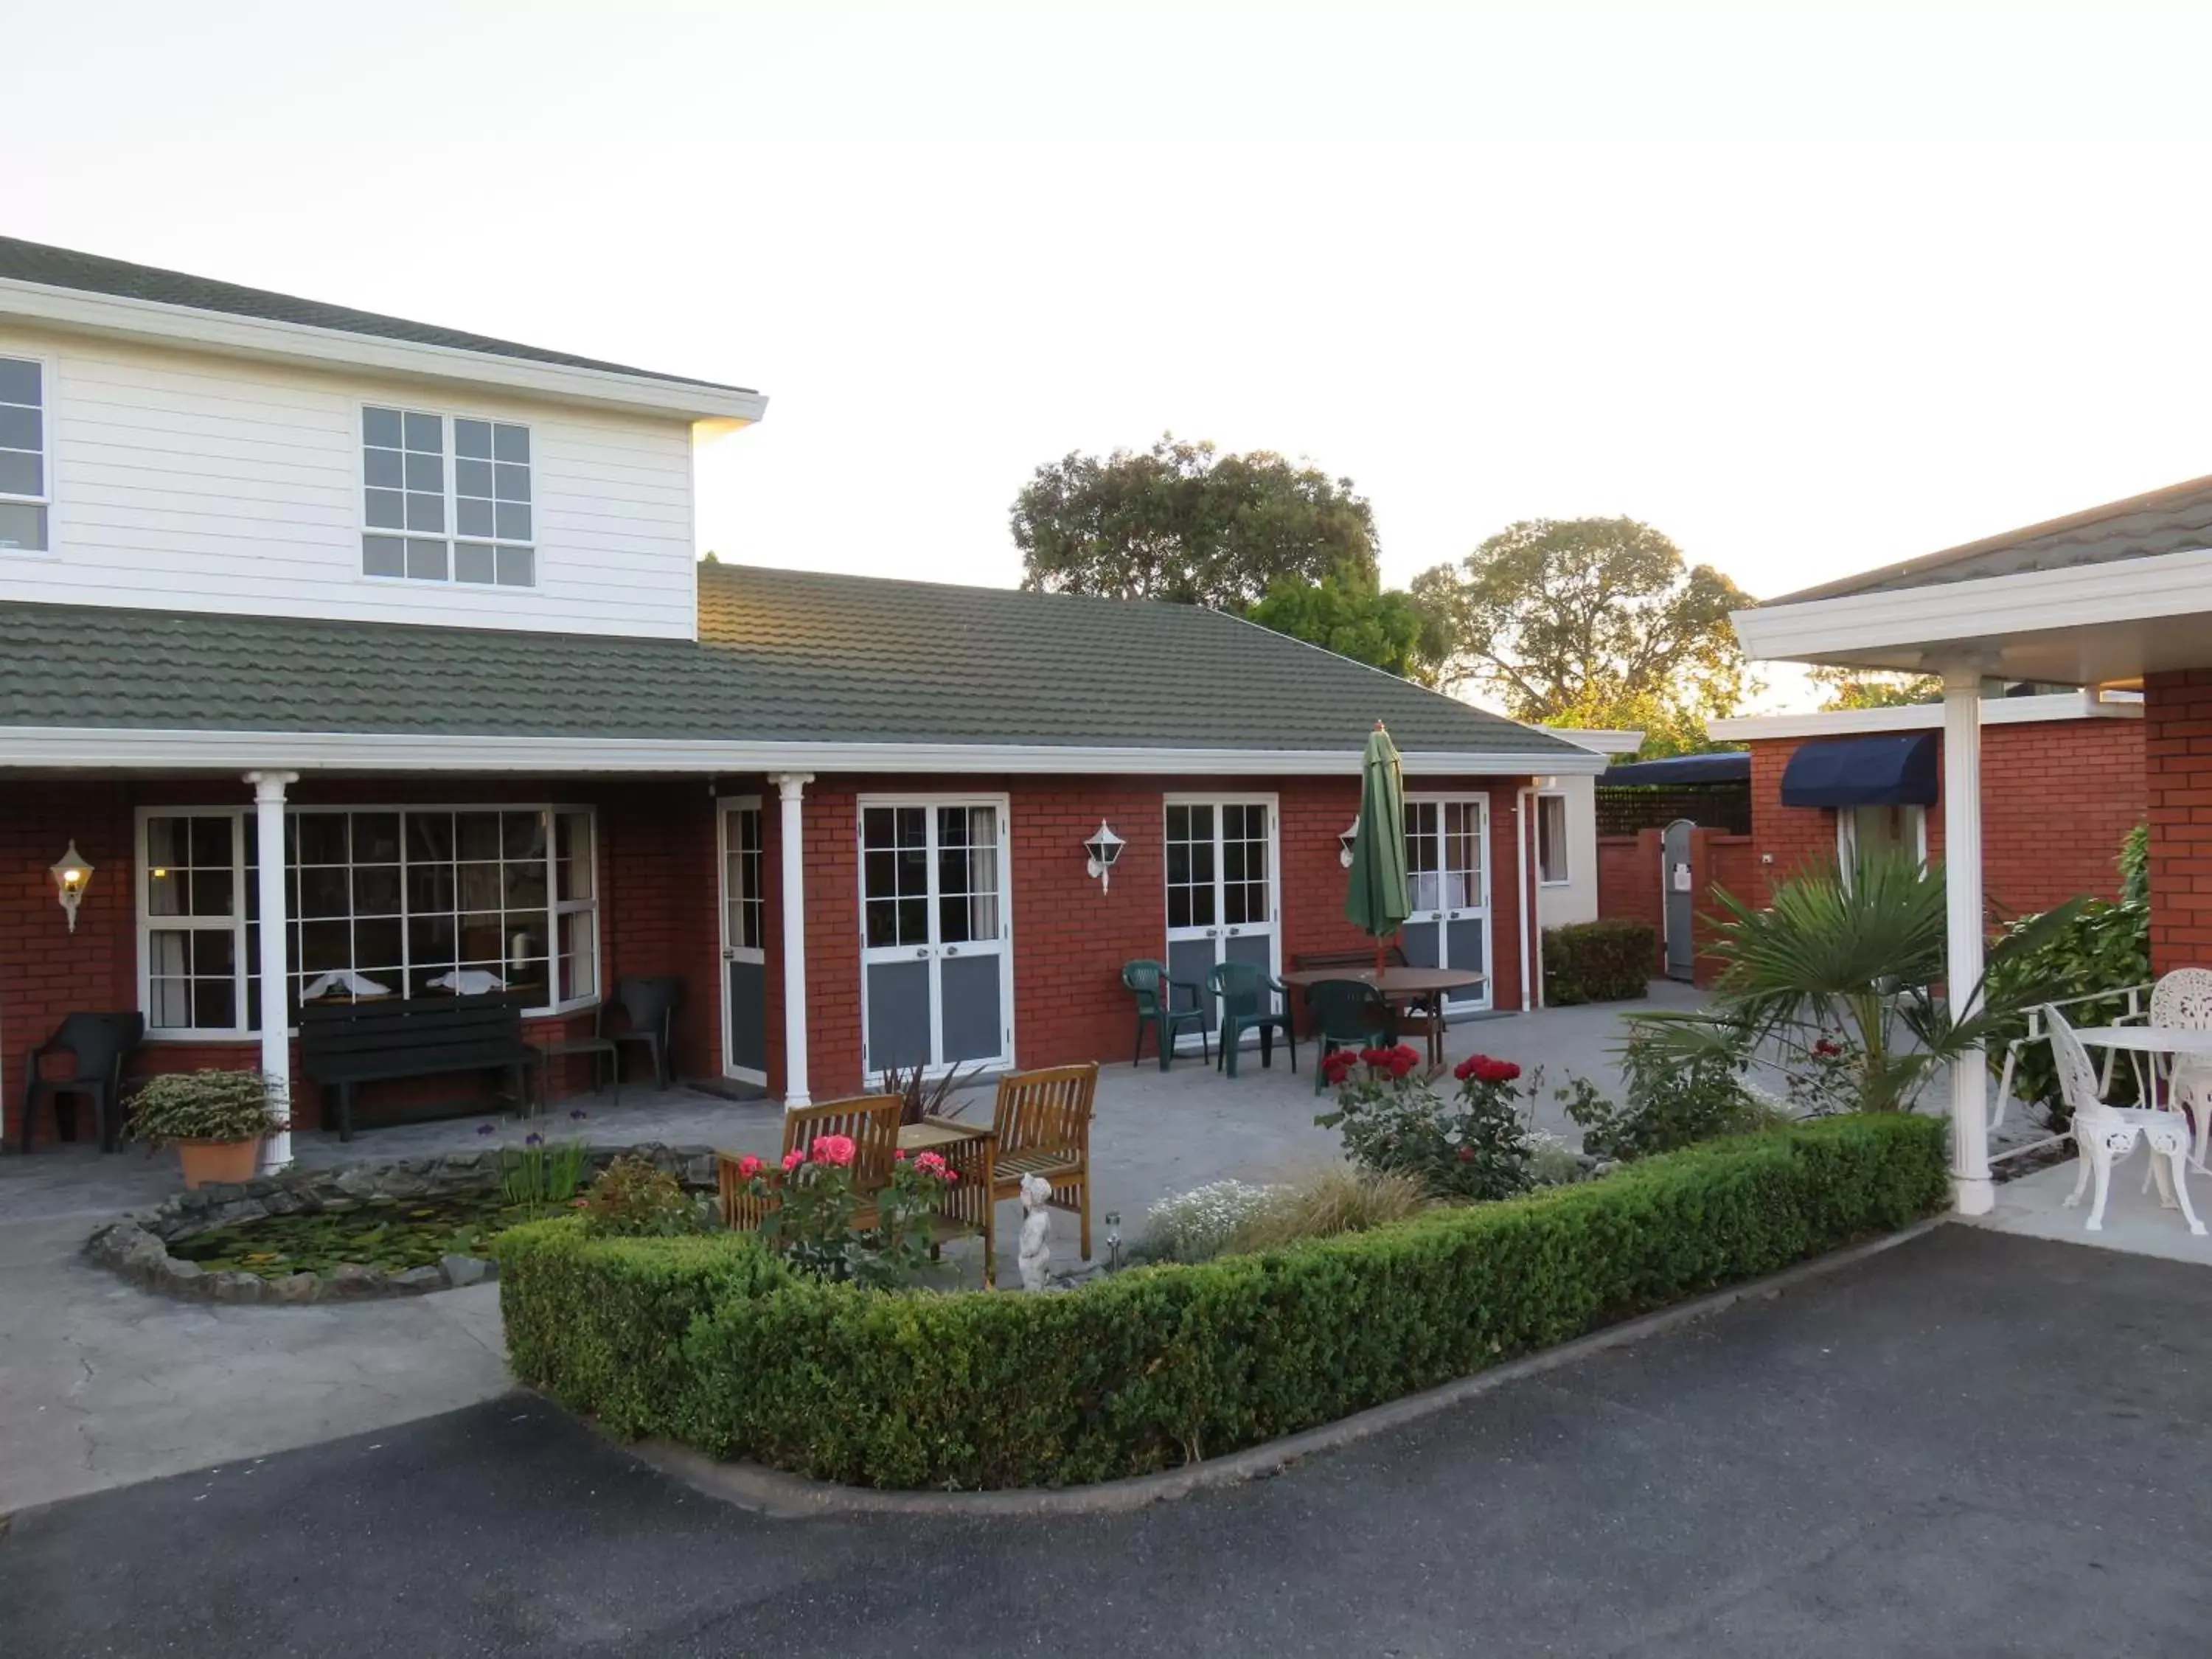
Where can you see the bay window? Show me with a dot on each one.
(383, 902)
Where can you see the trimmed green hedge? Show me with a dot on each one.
(713, 1342)
(1598, 961)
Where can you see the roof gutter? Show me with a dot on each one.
(125, 748)
(270, 340)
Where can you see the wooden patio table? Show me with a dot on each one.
(1427, 986)
(2156, 1040)
(967, 1208)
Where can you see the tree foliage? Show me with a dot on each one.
(1181, 522)
(1864, 687)
(1592, 622)
(1357, 619)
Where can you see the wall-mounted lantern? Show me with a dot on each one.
(71, 876)
(1101, 851)
(1344, 843)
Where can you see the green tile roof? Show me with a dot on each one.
(783, 656)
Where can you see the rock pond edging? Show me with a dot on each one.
(137, 1247)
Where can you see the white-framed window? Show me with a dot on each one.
(1552, 867)
(383, 902)
(1870, 831)
(25, 457)
(446, 512)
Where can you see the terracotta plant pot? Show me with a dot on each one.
(208, 1162)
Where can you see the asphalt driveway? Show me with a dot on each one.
(1971, 1444)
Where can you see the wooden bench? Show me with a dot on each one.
(345, 1043)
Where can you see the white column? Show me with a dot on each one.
(275, 1033)
(791, 786)
(1962, 956)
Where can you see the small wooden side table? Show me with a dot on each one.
(969, 1151)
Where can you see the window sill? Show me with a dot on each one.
(563, 1011)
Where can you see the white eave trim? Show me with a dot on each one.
(1928, 716)
(1985, 608)
(112, 748)
(297, 343)
(1599, 739)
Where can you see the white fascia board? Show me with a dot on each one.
(1983, 609)
(1598, 741)
(1926, 717)
(298, 343)
(112, 748)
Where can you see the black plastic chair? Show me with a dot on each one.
(1148, 981)
(647, 1006)
(100, 1044)
(1346, 1013)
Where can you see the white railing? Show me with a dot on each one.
(2134, 996)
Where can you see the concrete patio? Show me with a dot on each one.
(102, 1384)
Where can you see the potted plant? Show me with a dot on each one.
(216, 1120)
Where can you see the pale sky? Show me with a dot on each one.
(1809, 290)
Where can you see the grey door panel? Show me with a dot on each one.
(1423, 943)
(1680, 901)
(748, 983)
(898, 1013)
(968, 1012)
(1464, 938)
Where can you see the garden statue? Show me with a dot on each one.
(1037, 1233)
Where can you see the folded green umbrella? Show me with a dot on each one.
(1377, 899)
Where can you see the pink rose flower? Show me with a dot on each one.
(931, 1164)
(793, 1159)
(749, 1167)
(837, 1150)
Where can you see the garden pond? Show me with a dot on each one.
(392, 1234)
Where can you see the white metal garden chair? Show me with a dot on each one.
(2183, 999)
(2104, 1134)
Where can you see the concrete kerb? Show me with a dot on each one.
(774, 1493)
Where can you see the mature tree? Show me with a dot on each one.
(1866, 688)
(1592, 622)
(1180, 522)
(1355, 619)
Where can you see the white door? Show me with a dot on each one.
(937, 960)
(1221, 899)
(744, 960)
(1448, 873)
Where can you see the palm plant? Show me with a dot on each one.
(1849, 962)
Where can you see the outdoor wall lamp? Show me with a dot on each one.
(1344, 844)
(71, 876)
(1101, 851)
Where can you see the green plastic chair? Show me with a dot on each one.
(1155, 992)
(1246, 995)
(1346, 1013)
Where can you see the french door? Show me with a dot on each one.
(1221, 898)
(1448, 875)
(744, 959)
(936, 958)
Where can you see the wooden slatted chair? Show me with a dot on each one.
(1040, 1126)
(871, 1120)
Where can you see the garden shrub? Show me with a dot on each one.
(712, 1341)
(1337, 1198)
(1675, 1099)
(2104, 947)
(1607, 960)
(1474, 1145)
(1197, 1225)
(633, 1199)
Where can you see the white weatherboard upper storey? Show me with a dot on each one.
(184, 480)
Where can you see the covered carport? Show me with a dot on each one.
(2116, 597)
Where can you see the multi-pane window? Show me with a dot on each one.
(746, 924)
(1190, 848)
(1243, 863)
(1552, 839)
(894, 873)
(387, 903)
(1443, 854)
(24, 496)
(422, 521)
(967, 874)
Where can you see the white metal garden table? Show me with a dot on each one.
(2168, 1040)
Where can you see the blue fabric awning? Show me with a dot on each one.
(1892, 770)
(1727, 767)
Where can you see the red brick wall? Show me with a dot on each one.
(656, 915)
(1071, 938)
(1628, 878)
(2057, 798)
(660, 894)
(2178, 733)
